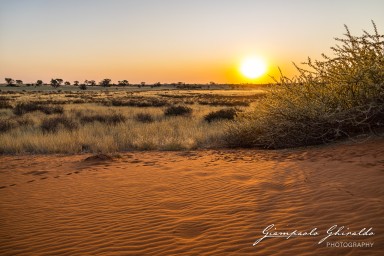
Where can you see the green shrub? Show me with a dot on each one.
(178, 111)
(336, 98)
(227, 113)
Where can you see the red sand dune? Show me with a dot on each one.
(192, 203)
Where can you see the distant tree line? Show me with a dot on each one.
(58, 82)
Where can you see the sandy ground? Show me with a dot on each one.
(194, 203)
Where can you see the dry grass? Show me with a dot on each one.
(96, 127)
(226, 113)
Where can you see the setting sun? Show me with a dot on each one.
(253, 67)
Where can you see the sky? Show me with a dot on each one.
(192, 41)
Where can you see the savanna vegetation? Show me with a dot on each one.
(74, 121)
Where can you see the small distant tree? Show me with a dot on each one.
(123, 83)
(75, 83)
(83, 87)
(9, 81)
(59, 80)
(105, 82)
(19, 82)
(89, 82)
(39, 82)
(55, 83)
(142, 83)
(67, 83)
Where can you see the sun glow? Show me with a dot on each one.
(253, 67)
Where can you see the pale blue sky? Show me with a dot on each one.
(169, 40)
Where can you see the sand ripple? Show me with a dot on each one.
(190, 203)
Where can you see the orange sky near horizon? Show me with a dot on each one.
(170, 41)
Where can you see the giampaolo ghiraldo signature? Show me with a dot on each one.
(340, 231)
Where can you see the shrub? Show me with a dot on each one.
(108, 119)
(178, 111)
(53, 124)
(22, 121)
(91, 119)
(6, 125)
(115, 119)
(336, 98)
(23, 107)
(144, 118)
(227, 103)
(26, 107)
(5, 104)
(227, 113)
(137, 102)
(52, 109)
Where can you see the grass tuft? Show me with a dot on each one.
(6, 125)
(144, 118)
(111, 119)
(226, 113)
(4, 104)
(178, 111)
(26, 107)
(52, 125)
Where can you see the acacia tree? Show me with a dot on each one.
(9, 81)
(19, 82)
(55, 83)
(83, 87)
(123, 83)
(39, 82)
(105, 82)
(91, 82)
(67, 83)
(59, 80)
(75, 83)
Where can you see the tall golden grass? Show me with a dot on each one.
(87, 128)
